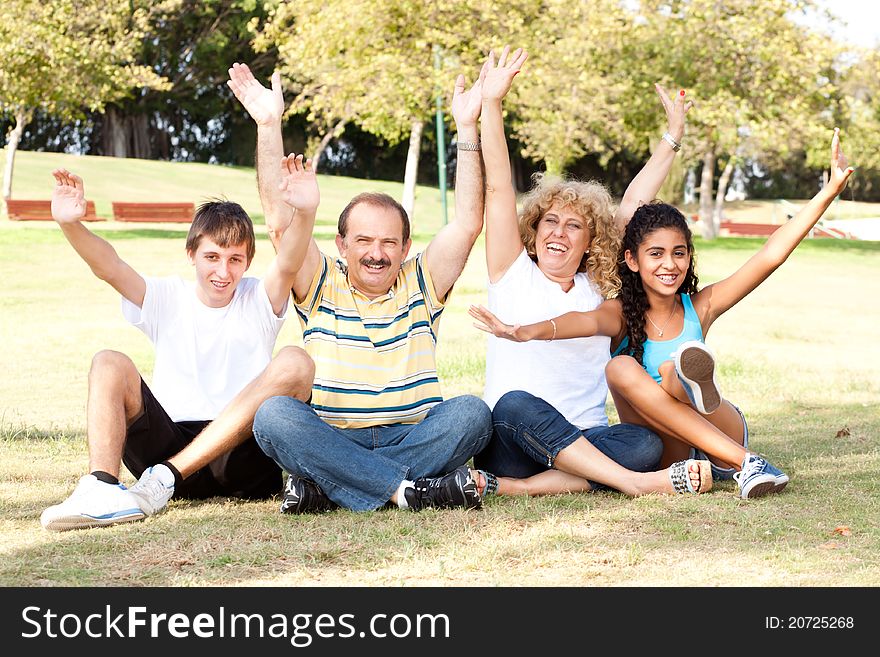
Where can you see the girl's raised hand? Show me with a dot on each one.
(489, 323)
(840, 169)
(500, 76)
(676, 110)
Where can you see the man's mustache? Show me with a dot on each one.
(368, 262)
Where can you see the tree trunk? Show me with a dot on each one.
(412, 167)
(723, 182)
(709, 229)
(13, 137)
(337, 130)
(140, 136)
(115, 143)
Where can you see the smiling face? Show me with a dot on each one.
(662, 261)
(373, 247)
(562, 237)
(219, 269)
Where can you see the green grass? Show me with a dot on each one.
(799, 356)
(127, 179)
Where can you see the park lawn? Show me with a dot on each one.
(799, 356)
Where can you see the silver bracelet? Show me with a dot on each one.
(468, 145)
(671, 140)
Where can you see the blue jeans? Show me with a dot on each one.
(529, 433)
(360, 469)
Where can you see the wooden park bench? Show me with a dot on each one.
(33, 210)
(165, 212)
(753, 230)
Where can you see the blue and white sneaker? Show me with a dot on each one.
(695, 366)
(758, 477)
(154, 488)
(93, 503)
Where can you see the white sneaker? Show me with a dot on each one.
(92, 503)
(154, 489)
(695, 366)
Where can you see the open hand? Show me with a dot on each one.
(500, 76)
(489, 323)
(466, 105)
(264, 105)
(675, 110)
(299, 184)
(840, 169)
(68, 197)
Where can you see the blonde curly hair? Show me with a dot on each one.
(592, 201)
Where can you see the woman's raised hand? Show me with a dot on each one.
(500, 74)
(489, 323)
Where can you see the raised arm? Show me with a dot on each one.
(298, 255)
(266, 107)
(644, 187)
(68, 208)
(715, 299)
(606, 320)
(503, 242)
(447, 253)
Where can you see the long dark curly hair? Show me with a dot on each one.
(647, 219)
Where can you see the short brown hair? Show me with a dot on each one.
(376, 199)
(223, 222)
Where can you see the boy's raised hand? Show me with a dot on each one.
(500, 76)
(299, 184)
(68, 197)
(266, 106)
(840, 169)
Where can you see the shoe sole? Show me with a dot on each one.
(66, 523)
(696, 366)
(773, 486)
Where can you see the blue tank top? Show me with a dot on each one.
(657, 351)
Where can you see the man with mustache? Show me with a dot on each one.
(377, 430)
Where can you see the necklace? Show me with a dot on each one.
(665, 324)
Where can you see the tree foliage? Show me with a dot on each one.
(67, 57)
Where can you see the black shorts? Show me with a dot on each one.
(244, 472)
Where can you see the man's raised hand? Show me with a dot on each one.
(466, 105)
(68, 197)
(299, 184)
(266, 106)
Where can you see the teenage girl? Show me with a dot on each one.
(659, 299)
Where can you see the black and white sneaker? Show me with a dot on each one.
(305, 496)
(456, 489)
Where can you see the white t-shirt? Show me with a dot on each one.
(204, 356)
(567, 374)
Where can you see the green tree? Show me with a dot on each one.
(569, 101)
(67, 57)
(760, 79)
(372, 63)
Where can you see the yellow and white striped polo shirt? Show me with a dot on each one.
(374, 359)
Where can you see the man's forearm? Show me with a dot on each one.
(469, 187)
(270, 150)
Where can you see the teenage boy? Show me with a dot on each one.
(189, 433)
